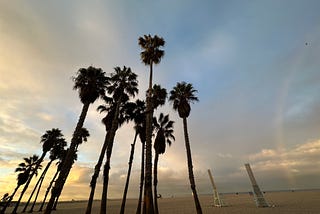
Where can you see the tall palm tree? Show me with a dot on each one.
(61, 154)
(123, 85)
(48, 140)
(25, 168)
(181, 96)
(107, 121)
(137, 114)
(151, 54)
(55, 152)
(82, 137)
(141, 129)
(36, 162)
(158, 98)
(91, 83)
(164, 130)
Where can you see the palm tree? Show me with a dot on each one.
(158, 98)
(137, 114)
(181, 96)
(151, 54)
(91, 83)
(164, 129)
(141, 129)
(25, 168)
(107, 121)
(61, 154)
(55, 151)
(48, 140)
(123, 85)
(82, 137)
(36, 162)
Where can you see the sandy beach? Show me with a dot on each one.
(284, 202)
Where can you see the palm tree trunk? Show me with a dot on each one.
(56, 203)
(155, 182)
(10, 199)
(110, 140)
(103, 208)
(190, 167)
(66, 167)
(148, 200)
(28, 182)
(96, 174)
(141, 178)
(124, 198)
(35, 200)
(48, 189)
(36, 186)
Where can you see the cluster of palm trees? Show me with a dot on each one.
(52, 142)
(116, 90)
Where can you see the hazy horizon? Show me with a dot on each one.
(255, 65)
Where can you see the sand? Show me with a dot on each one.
(284, 202)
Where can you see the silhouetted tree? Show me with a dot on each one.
(55, 152)
(107, 121)
(82, 137)
(123, 85)
(91, 83)
(25, 168)
(164, 130)
(151, 54)
(181, 96)
(61, 154)
(137, 114)
(48, 140)
(158, 98)
(141, 129)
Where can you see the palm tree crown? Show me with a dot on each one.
(50, 138)
(164, 129)
(181, 96)
(159, 96)
(151, 49)
(57, 149)
(91, 83)
(123, 84)
(25, 168)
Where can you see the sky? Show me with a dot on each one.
(255, 65)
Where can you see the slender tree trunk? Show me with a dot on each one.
(59, 194)
(124, 198)
(190, 167)
(103, 208)
(56, 203)
(141, 178)
(35, 200)
(95, 175)
(148, 200)
(155, 182)
(67, 164)
(48, 190)
(10, 199)
(106, 170)
(28, 182)
(37, 184)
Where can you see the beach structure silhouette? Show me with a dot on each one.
(217, 200)
(258, 195)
